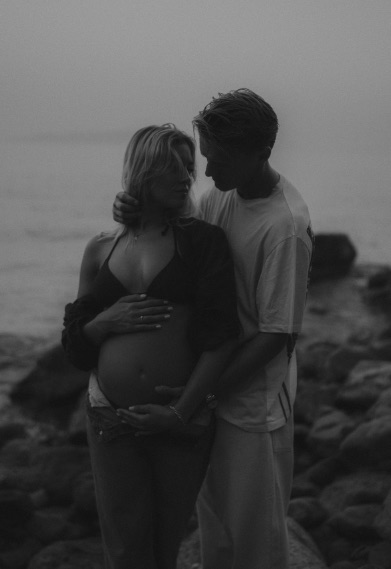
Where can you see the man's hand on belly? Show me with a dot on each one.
(150, 418)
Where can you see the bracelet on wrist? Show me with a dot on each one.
(178, 415)
(211, 401)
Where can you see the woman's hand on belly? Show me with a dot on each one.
(130, 314)
(151, 418)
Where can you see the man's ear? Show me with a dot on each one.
(265, 153)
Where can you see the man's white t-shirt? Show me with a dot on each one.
(271, 243)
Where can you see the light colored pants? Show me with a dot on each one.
(243, 502)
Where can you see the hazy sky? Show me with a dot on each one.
(97, 65)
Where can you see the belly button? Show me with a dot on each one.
(143, 375)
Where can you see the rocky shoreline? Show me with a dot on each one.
(340, 510)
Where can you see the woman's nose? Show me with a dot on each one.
(187, 176)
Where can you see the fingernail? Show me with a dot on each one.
(158, 326)
(131, 408)
(143, 296)
(167, 316)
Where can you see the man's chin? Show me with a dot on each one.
(222, 187)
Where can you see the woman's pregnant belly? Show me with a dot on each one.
(131, 365)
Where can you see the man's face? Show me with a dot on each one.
(229, 169)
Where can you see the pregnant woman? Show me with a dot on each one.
(166, 262)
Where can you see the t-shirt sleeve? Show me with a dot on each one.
(80, 352)
(215, 318)
(282, 287)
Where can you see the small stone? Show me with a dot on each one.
(369, 442)
(343, 565)
(380, 554)
(354, 489)
(328, 431)
(74, 554)
(307, 511)
(12, 431)
(325, 470)
(344, 359)
(382, 521)
(356, 521)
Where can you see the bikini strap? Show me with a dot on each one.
(112, 249)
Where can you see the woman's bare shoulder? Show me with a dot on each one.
(99, 245)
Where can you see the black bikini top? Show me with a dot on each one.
(175, 282)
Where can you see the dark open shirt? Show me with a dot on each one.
(200, 274)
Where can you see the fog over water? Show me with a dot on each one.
(80, 77)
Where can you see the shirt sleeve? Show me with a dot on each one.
(215, 318)
(80, 352)
(282, 287)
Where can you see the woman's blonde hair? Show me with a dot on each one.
(151, 153)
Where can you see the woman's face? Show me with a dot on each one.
(171, 190)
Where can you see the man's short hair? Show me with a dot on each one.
(239, 120)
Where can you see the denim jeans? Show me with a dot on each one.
(146, 488)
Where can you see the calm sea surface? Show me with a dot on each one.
(55, 195)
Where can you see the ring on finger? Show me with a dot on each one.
(141, 318)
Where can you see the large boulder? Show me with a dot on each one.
(333, 255)
(369, 443)
(54, 382)
(78, 554)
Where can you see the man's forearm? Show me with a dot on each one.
(204, 379)
(253, 355)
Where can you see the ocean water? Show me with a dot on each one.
(56, 194)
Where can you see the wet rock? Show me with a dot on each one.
(380, 277)
(369, 443)
(355, 488)
(61, 468)
(356, 521)
(78, 554)
(189, 556)
(339, 551)
(20, 453)
(325, 537)
(343, 565)
(381, 349)
(303, 460)
(344, 359)
(303, 487)
(304, 554)
(312, 398)
(11, 431)
(333, 255)
(307, 511)
(382, 407)
(16, 508)
(328, 431)
(382, 522)
(377, 373)
(52, 524)
(17, 555)
(313, 360)
(325, 470)
(52, 381)
(380, 554)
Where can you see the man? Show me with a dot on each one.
(243, 504)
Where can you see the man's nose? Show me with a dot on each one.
(208, 172)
